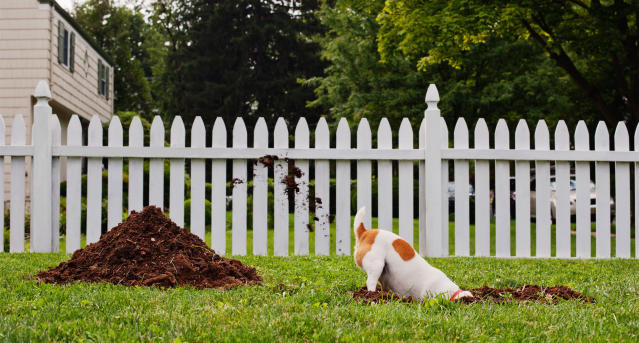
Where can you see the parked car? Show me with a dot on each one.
(451, 195)
(553, 197)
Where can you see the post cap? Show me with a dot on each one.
(42, 90)
(432, 96)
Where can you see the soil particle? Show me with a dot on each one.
(309, 227)
(266, 160)
(485, 294)
(236, 181)
(148, 249)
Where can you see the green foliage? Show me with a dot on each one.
(593, 44)
(122, 33)
(237, 58)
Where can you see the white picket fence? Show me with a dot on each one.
(433, 156)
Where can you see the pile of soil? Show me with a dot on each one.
(149, 249)
(485, 294)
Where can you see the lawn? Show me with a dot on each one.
(306, 299)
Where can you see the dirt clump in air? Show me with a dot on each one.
(148, 249)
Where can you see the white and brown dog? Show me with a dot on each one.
(386, 257)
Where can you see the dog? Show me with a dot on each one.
(388, 258)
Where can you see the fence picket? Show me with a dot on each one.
(602, 190)
(582, 180)
(364, 172)
(238, 187)
(198, 189)
(542, 193)
(322, 191)
(622, 194)
(562, 191)
(218, 191)
(260, 192)
(176, 179)
(445, 228)
(405, 173)
(636, 195)
(462, 182)
(280, 173)
(422, 192)
(156, 165)
(74, 187)
(16, 204)
(343, 192)
(56, 141)
(136, 167)
(384, 179)
(2, 142)
(114, 177)
(301, 224)
(482, 192)
(94, 184)
(522, 192)
(502, 193)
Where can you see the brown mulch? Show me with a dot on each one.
(485, 294)
(149, 249)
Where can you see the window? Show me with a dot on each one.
(66, 46)
(103, 79)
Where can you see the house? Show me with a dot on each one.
(40, 41)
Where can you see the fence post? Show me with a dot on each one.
(41, 172)
(433, 176)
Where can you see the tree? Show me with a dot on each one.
(238, 58)
(594, 43)
(501, 78)
(121, 33)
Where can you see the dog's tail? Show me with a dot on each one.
(358, 224)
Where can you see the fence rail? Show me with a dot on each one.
(553, 190)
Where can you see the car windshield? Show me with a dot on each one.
(573, 185)
(451, 188)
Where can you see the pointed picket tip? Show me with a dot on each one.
(177, 125)
(239, 126)
(260, 125)
(95, 131)
(562, 136)
(482, 136)
(219, 133)
(302, 127)
(74, 131)
(582, 137)
(460, 134)
(198, 133)
(542, 136)
(602, 136)
(280, 135)
(622, 140)
(502, 135)
(42, 90)
(432, 97)
(444, 130)
(364, 134)
(343, 139)
(136, 124)
(55, 122)
(405, 134)
(115, 128)
(322, 135)
(136, 132)
(384, 134)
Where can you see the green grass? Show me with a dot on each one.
(314, 305)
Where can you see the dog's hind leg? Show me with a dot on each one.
(373, 268)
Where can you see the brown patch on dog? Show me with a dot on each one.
(364, 245)
(360, 230)
(405, 251)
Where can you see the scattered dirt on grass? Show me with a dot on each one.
(485, 294)
(148, 249)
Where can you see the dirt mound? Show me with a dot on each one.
(148, 249)
(531, 293)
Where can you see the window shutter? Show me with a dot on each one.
(106, 78)
(72, 52)
(99, 76)
(60, 42)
